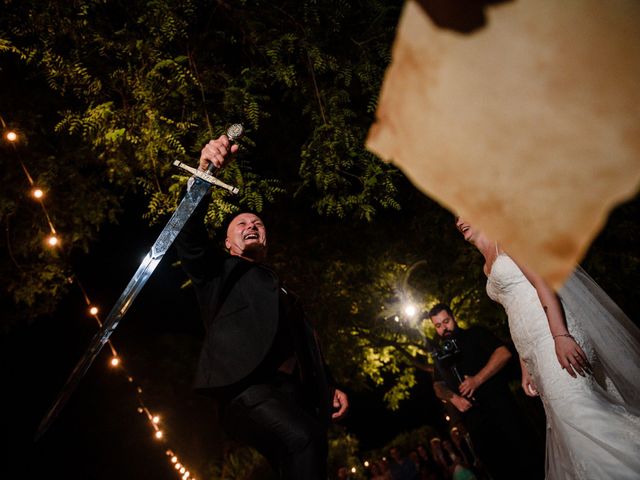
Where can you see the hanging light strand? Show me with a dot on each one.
(154, 420)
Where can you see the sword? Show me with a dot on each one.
(202, 182)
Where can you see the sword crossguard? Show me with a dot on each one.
(206, 176)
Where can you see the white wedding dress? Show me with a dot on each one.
(592, 433)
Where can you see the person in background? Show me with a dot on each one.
(469, 374)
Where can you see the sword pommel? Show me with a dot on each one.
(235, 131)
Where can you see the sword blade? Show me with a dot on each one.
(187, 205)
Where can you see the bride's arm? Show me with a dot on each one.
(571, 357)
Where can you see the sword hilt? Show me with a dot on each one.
(234, 132)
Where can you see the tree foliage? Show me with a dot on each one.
(125, 88)
(106, 94)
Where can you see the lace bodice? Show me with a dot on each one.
(507, 285)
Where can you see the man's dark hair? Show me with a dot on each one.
(439, 307)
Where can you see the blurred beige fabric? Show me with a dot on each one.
(528, 125)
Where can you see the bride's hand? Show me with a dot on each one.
(527, 383)
(571, 357)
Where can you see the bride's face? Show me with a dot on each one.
(465, 229)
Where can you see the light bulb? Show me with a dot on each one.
(410, 310)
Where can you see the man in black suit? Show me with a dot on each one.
(260, 358)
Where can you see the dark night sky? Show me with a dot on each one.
(100, 434)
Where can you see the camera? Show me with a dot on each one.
(448, 348)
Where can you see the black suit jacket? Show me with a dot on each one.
(240, 307)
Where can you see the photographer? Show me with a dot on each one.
(469, 374)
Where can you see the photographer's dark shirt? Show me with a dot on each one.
(476, 345)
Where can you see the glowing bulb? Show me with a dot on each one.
(396, 318)
(37, 193)
(447, 418)
(155, 419)
(159, 434)
(182, 470)
(178, 466)
(174, 459)
(11, 136)
(140, 410)
(93, 310)
(52, 240)
(115, 361)
(410, 310)
(353, 469)
(366, 463)
(186, 475)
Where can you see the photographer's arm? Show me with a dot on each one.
(497, 361)
(446, 395)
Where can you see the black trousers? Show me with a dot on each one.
(273, 419)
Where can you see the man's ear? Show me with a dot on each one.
(227, 243)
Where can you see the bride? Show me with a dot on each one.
(581, 354)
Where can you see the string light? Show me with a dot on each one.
(54, 241)
(366, 463)
(353, 469)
